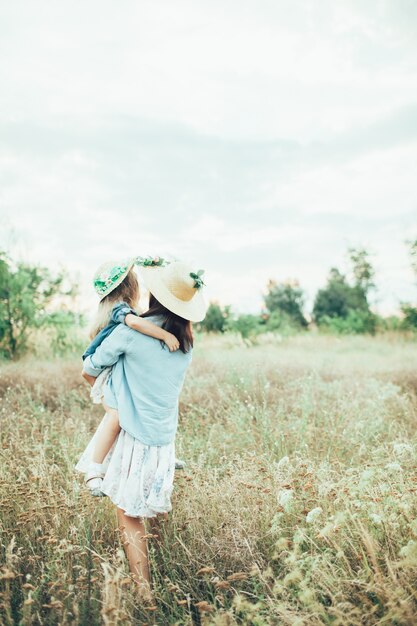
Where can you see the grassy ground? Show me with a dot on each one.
(298, 505)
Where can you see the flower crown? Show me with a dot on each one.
(149, 261)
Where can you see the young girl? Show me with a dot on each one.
(118, 287)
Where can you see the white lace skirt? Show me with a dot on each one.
(138, 478)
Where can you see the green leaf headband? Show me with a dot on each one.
(198, 281)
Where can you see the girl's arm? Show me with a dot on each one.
(152, 330)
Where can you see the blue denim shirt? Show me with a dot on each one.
(145, 382)
(118, 316)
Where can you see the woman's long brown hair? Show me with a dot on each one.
(173, 323)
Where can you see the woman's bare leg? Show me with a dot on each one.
(106, 437)
(136, 548)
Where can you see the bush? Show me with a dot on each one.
(356, 322)
(409, 321)
(247, 325)
(282, 323)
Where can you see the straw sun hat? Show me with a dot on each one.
(177, 288)
(174, 284)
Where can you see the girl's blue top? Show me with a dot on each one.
(118, 316)
(145, 382)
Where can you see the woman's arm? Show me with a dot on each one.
(108, 352)
(152, 330)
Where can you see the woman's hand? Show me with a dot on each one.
(90, 379)
(171, 341)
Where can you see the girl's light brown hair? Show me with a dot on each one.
(127, 291)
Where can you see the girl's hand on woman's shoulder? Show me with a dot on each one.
(171, 342)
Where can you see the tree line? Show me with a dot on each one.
(33, 298)
(341, 306)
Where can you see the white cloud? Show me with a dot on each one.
(380, 183)
(258, 138)
(276, 69)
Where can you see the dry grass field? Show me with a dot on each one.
(298, 505)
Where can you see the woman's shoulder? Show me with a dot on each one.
(122, 331)
(155, 319)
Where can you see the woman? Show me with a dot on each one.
(144, 387)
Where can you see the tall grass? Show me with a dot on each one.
(298, 505)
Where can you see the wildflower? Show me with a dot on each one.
(282, 544)
(222, 584)
(313, 515)
(377, 519)
(325, 488)
(307, 596)
(28, 586)
(409, 553)
(403, 449)
(395, 467)
(285, 496)
(237, 576)
(276, 522)
(293, 577)
(205, 570)
(282, 463)
(327, 530)
(366, 477)
(204, 606)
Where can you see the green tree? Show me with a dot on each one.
(286, 299)
(216, 318)
(362, 269)
(338, 298)
(26, 291)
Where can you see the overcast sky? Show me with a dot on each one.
(259, 139)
